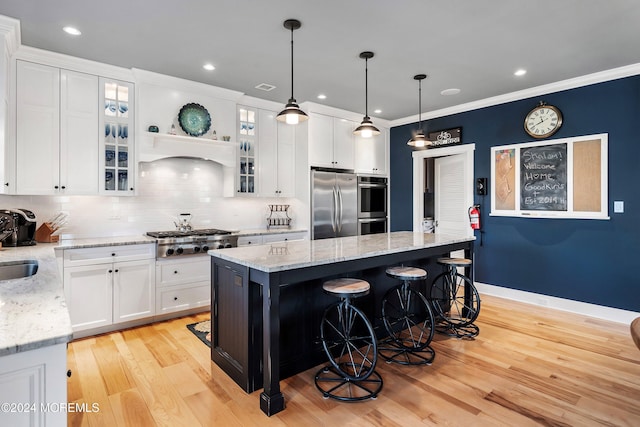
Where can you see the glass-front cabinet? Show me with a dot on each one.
(117, 154)
(246, 183)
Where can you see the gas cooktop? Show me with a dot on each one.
(178, 233)
(191, 242)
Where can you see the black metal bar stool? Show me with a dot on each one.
(455, 299)
(350, 343)
(408, 319)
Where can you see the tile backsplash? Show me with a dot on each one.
(165, 188)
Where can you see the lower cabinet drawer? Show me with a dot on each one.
(178, 298)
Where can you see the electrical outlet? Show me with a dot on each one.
(618, 206)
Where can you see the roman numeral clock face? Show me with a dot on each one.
(543, 121)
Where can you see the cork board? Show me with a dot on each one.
(505, 179)
(561, 178)
(587, 175)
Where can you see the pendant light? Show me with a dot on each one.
(366, 128)
(292, 114)
(419, 140)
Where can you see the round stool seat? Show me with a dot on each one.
(406, 273)
(347, 287)
(456, 262)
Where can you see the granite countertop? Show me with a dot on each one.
(103, 241)
(33, 311)
(264, 231)
(306, 253)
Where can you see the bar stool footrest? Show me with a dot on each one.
(392, 352)
(467, 331)
(333, 385)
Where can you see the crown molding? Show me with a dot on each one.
(67, 62)
(589, 79)
(10, 29)
(343, 114)
(150, 77)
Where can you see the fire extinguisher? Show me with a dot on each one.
(474, 217)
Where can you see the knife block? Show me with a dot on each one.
(44, 234)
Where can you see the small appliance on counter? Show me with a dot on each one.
(17, 227)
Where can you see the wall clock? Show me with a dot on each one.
(543, 121)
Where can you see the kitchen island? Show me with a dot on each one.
(267, 300)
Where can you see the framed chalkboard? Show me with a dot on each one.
(561, 178)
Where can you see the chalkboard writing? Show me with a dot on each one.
(543, 178)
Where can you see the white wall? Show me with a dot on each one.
(165, 188)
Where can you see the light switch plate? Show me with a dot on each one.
(618, 206)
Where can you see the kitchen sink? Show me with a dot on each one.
(18, 269)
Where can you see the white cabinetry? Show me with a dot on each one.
(56, 130)
(259, 239)
(371, 154)
(109, 284)
(117, 131)
(183, 284)
(331, 142)
(276, 160)
(34, 379)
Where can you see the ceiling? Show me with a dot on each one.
(474, 46)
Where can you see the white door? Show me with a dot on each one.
(450, 198)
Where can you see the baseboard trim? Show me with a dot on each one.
(583, 308)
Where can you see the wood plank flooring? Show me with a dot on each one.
(529, 366)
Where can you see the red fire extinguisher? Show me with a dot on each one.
(474, 217)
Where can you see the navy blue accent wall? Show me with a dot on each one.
(593, 261)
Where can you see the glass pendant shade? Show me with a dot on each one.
(366, 128)
(292, 114)
(418, 139)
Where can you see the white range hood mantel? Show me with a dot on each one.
(155, 146)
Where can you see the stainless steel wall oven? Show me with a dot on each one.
(372, 205)
(372, 197)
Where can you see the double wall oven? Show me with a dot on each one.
(372, 205)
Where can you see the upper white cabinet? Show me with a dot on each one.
(266, 155)
(248, 150)
(56, 131)
(276, 163)
(371, 154)
(331, 142)
(117, 131)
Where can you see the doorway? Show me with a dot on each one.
(453, 189)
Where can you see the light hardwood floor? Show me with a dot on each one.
(529, 366)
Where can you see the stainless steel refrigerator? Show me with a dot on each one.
(334, 204)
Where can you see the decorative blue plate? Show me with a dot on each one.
(194, 119)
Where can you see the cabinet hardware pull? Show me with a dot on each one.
(110, 271)
(175, 272)
(175, 298)
(55, 186)
(69, 373)
(113, 254)
(116, 270)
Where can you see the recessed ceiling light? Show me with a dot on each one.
(378, 111)
(322, 96)
(209, 67)
(449, 92)
(71, 30)
(520, 72)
